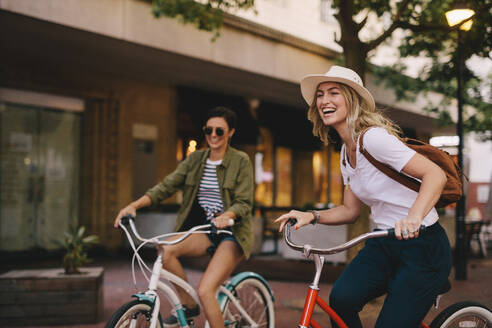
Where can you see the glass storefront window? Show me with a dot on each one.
(320, 176)
(336, 182)
(283, 178)
(264, 169)
(39, 175)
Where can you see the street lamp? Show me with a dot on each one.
(460, 17)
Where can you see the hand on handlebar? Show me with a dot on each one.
(223, 221)
(302, 218)
(407, 228)
(129, 210)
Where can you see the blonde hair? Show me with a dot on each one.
(360, 116)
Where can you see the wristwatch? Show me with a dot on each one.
(316, 217)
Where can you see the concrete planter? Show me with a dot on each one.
(49, 297)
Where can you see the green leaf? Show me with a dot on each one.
(81, 232)
(92, 239)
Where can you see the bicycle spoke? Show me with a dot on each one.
(253, 301)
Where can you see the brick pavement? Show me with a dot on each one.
(290, 294)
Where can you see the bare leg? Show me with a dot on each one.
(226, 258)
(194, 246)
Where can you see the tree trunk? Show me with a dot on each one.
(355, 56)
(354, 50)
(355, 59)
(356, 229)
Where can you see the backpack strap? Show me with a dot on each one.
(401, 178)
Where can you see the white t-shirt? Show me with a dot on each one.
(389, 200)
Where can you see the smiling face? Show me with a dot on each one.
(214, 141)
(331, 104)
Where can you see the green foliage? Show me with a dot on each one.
(76, 245)
(427, 35)
(206, 15)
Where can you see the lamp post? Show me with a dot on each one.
(460, 16)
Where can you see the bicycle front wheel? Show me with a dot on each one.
(464, 315)
(136, 314)
(255, 299)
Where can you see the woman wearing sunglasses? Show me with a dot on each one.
(217, 185)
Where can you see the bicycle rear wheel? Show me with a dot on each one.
(464, 315)
(136, 314)
(255, 299)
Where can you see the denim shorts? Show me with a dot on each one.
(216, 239)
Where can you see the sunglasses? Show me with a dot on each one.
(208, 131)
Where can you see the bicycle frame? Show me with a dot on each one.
(312, 297)
(155, 283)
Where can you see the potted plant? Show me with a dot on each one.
(76, 245)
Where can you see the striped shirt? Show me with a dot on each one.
(208, 193)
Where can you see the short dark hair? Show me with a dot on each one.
(228, 114)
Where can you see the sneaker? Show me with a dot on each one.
(172, 320)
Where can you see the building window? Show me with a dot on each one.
(283, 163)
(482, 194)
(264, 169)
(336, 182)
(320, 176)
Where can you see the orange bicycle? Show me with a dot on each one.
(462, 314)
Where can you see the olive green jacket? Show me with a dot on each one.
(235, 177)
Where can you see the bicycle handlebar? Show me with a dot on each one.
(340, 248)
(130, 220)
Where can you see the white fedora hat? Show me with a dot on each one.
(338, 74)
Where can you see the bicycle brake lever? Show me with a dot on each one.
(292, 221)
(126, 219)
(213, 229)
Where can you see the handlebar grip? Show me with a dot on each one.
(126, 219)
(391, 232)
(292, 222)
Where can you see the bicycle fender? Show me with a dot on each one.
(248, 274)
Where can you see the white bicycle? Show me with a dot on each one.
(246, 300)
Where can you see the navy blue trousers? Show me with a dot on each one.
(411, 272)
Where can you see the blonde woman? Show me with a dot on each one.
(410, 270)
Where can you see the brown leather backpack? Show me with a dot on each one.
(453, 189)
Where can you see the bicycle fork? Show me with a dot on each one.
(312, 299)
(154, 284)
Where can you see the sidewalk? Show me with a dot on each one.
(289, 295)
